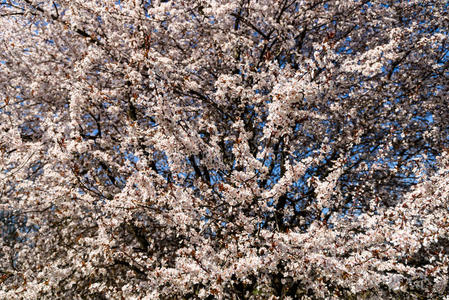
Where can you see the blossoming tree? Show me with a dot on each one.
(224, 149)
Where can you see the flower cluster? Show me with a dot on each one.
(223, 149)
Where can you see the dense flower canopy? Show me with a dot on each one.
(224, 149)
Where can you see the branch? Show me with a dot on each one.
(264, 35)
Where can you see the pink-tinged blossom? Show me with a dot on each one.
(223, 149)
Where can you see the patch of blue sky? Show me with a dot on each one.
(346, 47)
(93, 133)
(131, 157)
(325, 211)
(212, 20)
